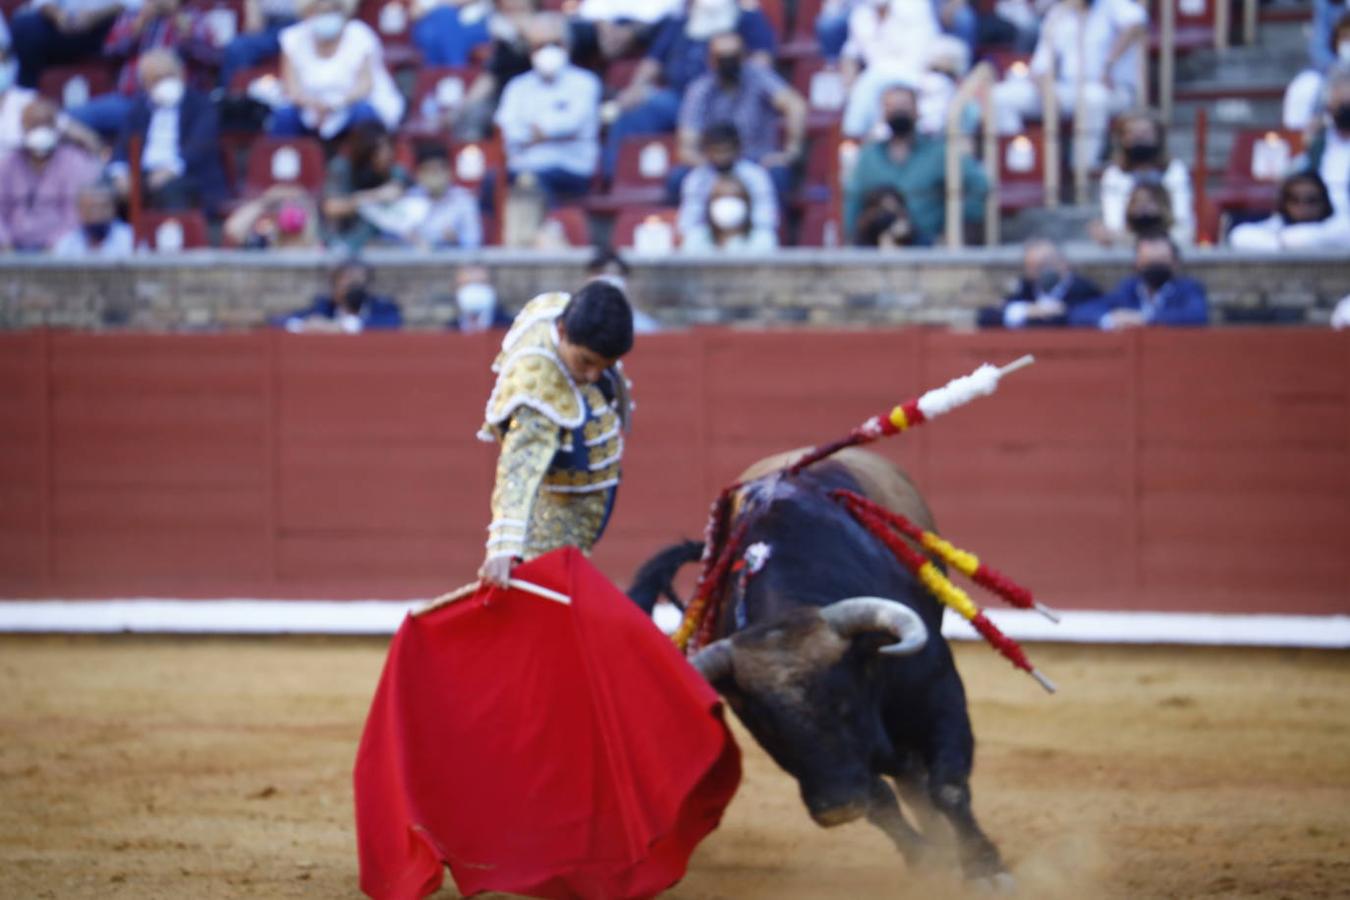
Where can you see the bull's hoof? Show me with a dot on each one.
(839, 815)
(998, 883)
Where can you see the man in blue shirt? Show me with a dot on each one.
(350, 308)
(1154, 295)
(678, 55)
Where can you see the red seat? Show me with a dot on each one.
(824, 106)
(262, 158)
(1195, 25)
(640, 174)
(1021, 171)
(1245, 186)
(74, 85)
(191, 226)
(480, 166)
(801, 43)
(572, 220)
(392, 21)
(628, 221)
(240, 81)
(432, 83)
(820, 226)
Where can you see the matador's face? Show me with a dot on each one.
(583, 364)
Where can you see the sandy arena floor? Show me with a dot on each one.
(155, 767)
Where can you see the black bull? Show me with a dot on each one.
(811, 677)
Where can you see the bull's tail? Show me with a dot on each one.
(656, 577)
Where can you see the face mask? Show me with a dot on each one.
(1144, 223)
(476, 304)
(355, 297)
(8, 69)
(1047, 281)
(41, 140)
(901, 125)
(95, 232)
(1138, 154)
(167, 92)
(1155, 275)
(725, 166)
(327, 25)
(549, 59)
(729, 68)
(1341, 116)
(729, 213)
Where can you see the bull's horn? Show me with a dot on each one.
(858, 615)
(713, 661)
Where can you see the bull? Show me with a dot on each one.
(832, 656)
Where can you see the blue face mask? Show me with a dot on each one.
(96, 232)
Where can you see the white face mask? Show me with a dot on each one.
(549, 60)
(729, 213)
(327, 26)
(8, 69)
(41, 140)
(477, 302)
(167, 92)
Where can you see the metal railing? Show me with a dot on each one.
(977, 86)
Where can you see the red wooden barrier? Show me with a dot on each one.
(1196, 470)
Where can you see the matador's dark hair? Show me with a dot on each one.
(599, 318)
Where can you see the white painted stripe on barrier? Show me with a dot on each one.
(384, 617)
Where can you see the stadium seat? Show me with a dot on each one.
(773, 11)
(659, 219)
(801, 42)
(392, 20)
(1259, 160)
(1021, 171)
(573, 224)
(823, 87)
(825, 164)
(169, 232)
(820, 226)
(241, 80)
(273, 160)
(435, 89)
(74, 85)
(640, 174)
(1195, 25)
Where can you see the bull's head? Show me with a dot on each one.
(806, 687)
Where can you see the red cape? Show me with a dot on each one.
(539, 748)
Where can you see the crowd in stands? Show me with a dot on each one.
(732, 126)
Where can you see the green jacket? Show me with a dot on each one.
(921, 178)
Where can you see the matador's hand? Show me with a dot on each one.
(496, 570)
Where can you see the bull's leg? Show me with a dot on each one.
(883, 811)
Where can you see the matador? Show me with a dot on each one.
(560, 409)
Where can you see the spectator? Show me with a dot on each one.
(100, 233)
(361, 182)
(40, 184)
(752, 97)
(332, 67)
(549, 116)
(613, 29)
(946, 61)
(13, 100)
(1096, 42)
(180, 140)
(1322, 52)
(259, 40)
(677, 56)
(726, 222)
(883, 220)
(283, 218)
(1148, 211)
(447, 31)
(1048, 290)
(451, 217)
(721, 151)
(915, 165)
(510, 57)
(1154, 295)
(60, 32)
(1304, 98)
(1329, 152)
(349, 307)
(1340, 314)
(832, 26)
(1303, 220)
(156, 25)
(887, 41)
(476, 306)
(1141, 155)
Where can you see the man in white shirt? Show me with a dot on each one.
(1329, 153)
(59, 32)
(549, 117)
(1091, 50)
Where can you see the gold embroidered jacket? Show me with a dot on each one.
(561, 443)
